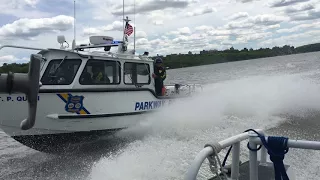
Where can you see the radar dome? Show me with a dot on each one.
(96, 40)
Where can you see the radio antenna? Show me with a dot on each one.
(123, 18)
(74, 25)
(74, 19)
(134, 30)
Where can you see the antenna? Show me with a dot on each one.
(123, 17)
(134, 30)
(74, 19)
(74, 25)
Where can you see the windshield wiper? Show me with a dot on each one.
(55, 71)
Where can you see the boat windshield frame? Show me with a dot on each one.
(47, 75)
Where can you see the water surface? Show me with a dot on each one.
(279, 94)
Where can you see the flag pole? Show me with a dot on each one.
(134, 40)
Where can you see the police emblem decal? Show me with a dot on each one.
(74, 104)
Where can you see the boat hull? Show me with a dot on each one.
(61, 142)
(66, 117)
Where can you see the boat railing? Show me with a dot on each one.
(26, 83)
(116, 55)
(191, 88)
(109, 54)
(99, 53)
(187, 85)
(22, 47)
(234, 141)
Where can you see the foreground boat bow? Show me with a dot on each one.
(27, 84)
(253, 169)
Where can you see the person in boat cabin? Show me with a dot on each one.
(98, 76)
(159, 76)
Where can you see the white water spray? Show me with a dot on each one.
(169, 139)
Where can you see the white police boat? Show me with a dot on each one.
(72, 106)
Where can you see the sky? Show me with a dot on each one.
(162, 26)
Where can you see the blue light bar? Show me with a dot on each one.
(116, 42)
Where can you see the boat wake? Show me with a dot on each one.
(165, 143)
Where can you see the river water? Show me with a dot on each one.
(278, 94)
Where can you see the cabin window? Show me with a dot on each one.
(101, 72)
(136, 73)
(60, 71)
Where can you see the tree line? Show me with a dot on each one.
(174, 61)
(229, 55)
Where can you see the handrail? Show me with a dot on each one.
(235, 142)
(197, 162)
(299, 144)
(27, 84)
(22, 47)
(237, 138)
(207, 151)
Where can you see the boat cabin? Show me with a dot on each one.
(83, 69)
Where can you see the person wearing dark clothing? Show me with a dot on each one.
(159, 76)
(98, 76)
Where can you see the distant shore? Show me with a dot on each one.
(174, 61)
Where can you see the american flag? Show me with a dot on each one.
(128, 30)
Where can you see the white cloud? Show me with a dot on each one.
(7, 59)
(141, 34)
(164, 26)
(152, 5)
(180, 31)
(104, 9)
(158, 17)
(239, 24)
(217, 32)
(11, 59)
(184, 31)
(309, 15)
(299, 8)
(254, 37)
(157, 22)
(32, 3)
(142, 41)
(281, 3)
(267, 19)
(259, 23)
(249, 29)
(238, 15)
(115, 26)
(298, 39)
(28, 28)
(203, 28)
(201, 11)
(245, 1)
(300, 27)
(21, 8)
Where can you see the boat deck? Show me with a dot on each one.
(265, 172)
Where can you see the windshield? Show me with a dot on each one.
(60, 72)
(42, 63)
